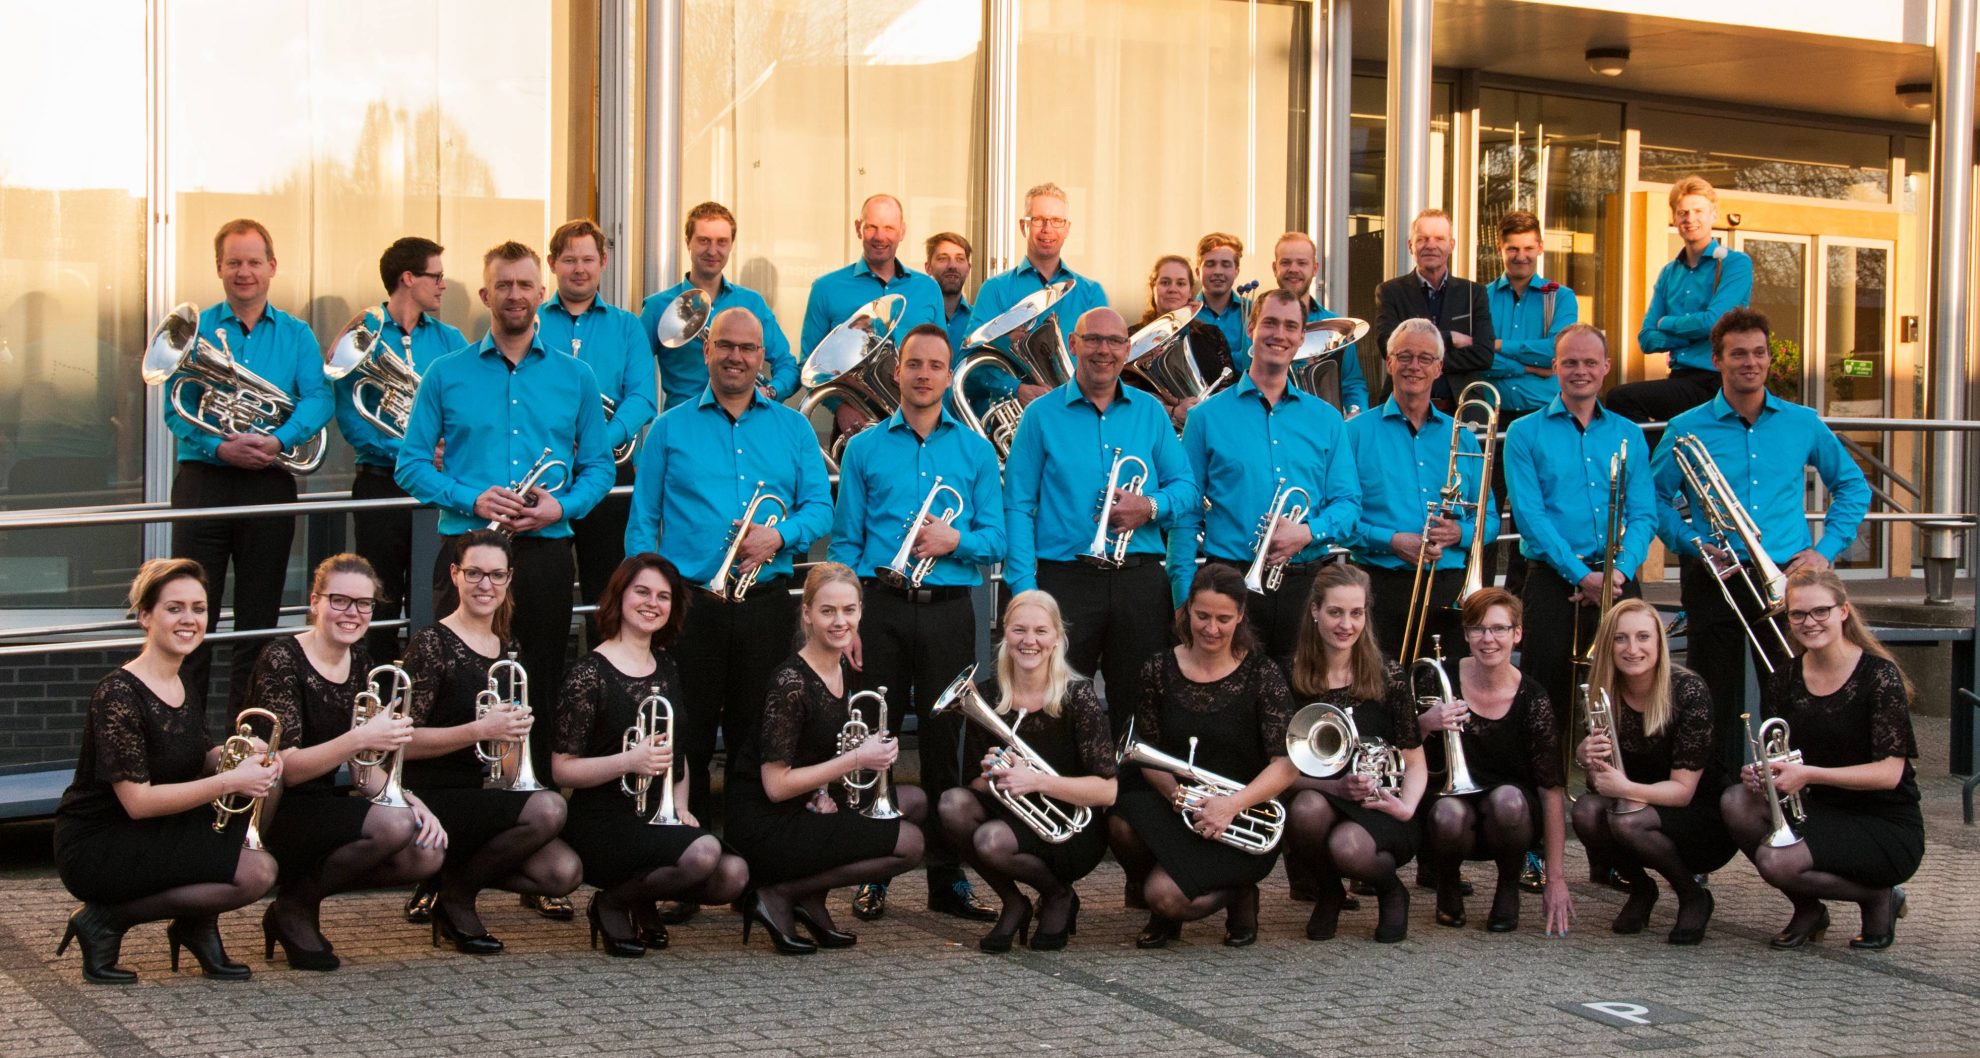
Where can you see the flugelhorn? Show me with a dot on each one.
(1457, 773)
(1109, 549)
(533, 480)
(1264, 576)
(906, 571)
(653, 719)
(1256, 830)
(1769, 747)
(231, 398)
(1727, 518)
(729, 584)
(871, 792)
(388, 689)
(508, 684)
(1451, 504)
(1323, 742)
(233, 753)
(1051, 820)
(1602, 721)
(386, 382)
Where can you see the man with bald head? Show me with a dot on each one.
(835, 296)
(1067, 443)
(701, 464)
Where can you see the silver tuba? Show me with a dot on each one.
(855, 362)
(231, 398)
(1322, 741)
(729, 584)
(1049, 819)
(1602, 721)
(388, 689)
(871, 792)
(1727, 518)
(1109, 549)
(1316, 367)
(1038, 354)
(508, 684)
(1256, 830)
(653, 719)
(906, 571)
(1264, 576)
(386, 381)
(1457, 773)
(1769, 747)
(1160, 360)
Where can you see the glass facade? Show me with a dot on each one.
(1560, 159)
(1773, 158)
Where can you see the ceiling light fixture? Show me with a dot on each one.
(1609, 62)
(1915, 95)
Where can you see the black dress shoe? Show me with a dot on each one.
(824, 935)
(785, 943)
(1635, 913)
(201, 936)
(1505, 909)
(1326, 917)
(999, 940)
(1393, 926)
(554, 908)
(650, 926)
(869, 901)
(90, 927)
(1158, 932)
(1241, 921)
(959, 900)
(300, 958)
(1790, 938)
(1450, 906)
(419, 906)
(616, 947)
(1880, 941)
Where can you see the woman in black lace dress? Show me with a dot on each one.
(1219, 690)
(1513, 751)
(1054, 711)
(1661, 811)
(1848, 708)
(1349, 826)
(633, 860)
(496, 838)
(330, 838)
(134, 837)
(787, 810)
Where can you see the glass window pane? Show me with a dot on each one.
(1741, 155)
(1561, 159)
(72, 296)
(1780, 289)
(1855, 337)
(1367, 156)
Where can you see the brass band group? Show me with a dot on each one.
(1253, 605)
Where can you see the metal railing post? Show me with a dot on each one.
(419, 577)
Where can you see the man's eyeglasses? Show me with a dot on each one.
(497, 577)
(1406, 359)
(437, 277)
(1109, 341)
(727, 347)
(1048, 223)
(341, 603)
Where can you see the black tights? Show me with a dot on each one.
(1792, 869)
(809, 892)
(1165, 898)
(254, 875)
(1330, 847)
(991, 846)
(1496, 825)
(704, 875)
(526, 858)
(1634, 843)
(384, 855)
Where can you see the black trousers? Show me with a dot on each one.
(258, 548)
(1278, 616)
(384, 538)
(726, 653)
(1389, 611)
(1718, 649)
(1661, 399)
(1115, 619)
(600, 541)
(914, 644)
(540, 622)
(1546, 649)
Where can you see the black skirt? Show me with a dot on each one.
(110, 861)
(617, 844)
(1197, 864)
(783, 840)
(1877, 845)
(1703, 842)
(1070, 860)
(310, 824)
(472, 817)
(1394, 836)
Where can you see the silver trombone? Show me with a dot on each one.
(1265, 576)
(526, 488)
(1769, 747)
(1457, 772)
(1602, 721)
(231, 399)
(1256, 830)
(1049, 819)
(870, 792)
(388, 689)
(1109, 549)
(508, 684)
(653, 719)
(1727, 518)
(905, 571)
(729, 584)
(1451, 504)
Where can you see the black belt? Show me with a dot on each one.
(376, 471)
(945, 593)
(1131, 562)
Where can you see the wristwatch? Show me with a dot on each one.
(1154, 508)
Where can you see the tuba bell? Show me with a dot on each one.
(1051, 820)
(1160, 359)
(1256, 830)
(388, 689)
(508, 684)
(855, 363)
(386, 380)
(233, 753)
(1037, 354)
(231, 399)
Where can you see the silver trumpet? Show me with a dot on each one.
(1038, 354)
(1727, 518)
(1602, 721)
(1256, 830)
(508, 684)
(388, 689)
(233, 753)
(654, 719)
(534, 480)
(1769, 747)
(1322, 741)
(231, 398)
(728, 584)
(1457, 773)
(1109, 549)
(870, 792)
(1049, 819)
(905, 571)
(1264, 576)
(386, 379)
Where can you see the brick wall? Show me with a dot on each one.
(43, 699)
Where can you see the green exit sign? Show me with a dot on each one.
(1859, 368)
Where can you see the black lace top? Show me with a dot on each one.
(1077, 742)
(1684, 743)
(801, 720)
(1867, 719)
(1239, 721)
(130, 735)
(1391, 718)
(313, 709)
(447, 675)
(1521, 748)
(597, 707)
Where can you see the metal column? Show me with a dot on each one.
(618, 78)
(1001, 207)
(1406, 179)
(662, 212)
(1332, 85)
(1952, 234)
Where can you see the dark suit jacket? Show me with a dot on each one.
(1465, 312)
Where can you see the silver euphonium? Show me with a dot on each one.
(1602, 721)
(1037, 355)
(728, 584)
(1109, 549)
(870, 792)
(231, 398)
(1265, 576)
(1049, 819)
(905, 571)
(392, 694)
(654, 719)
(855, 363)
(1769, 747)
(1316, 366)
(386, 380)
(1457, 773)
(1727, 518)
(1256, 830)
(534, 480)
(1322, 742)
(508, 684)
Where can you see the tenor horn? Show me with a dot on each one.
(1051, 820)
(231, 399)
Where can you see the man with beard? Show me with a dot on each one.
(1458, 307)
(711, 237)
(1295, 263)
(949, 256)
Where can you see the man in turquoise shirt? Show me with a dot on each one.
(1045, 224)
(1704, 282)
(1218, 256)
(711, 235)
(1295, 263)
(220, 468)
(949, 262)
(836, 295)
(1527, 312)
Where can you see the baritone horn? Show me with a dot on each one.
(653, 720)
(1256, 830)
(1457, 773)
(231, 399)
(386, 379)
(1051, 820)
(233, 753)
(905, 571)
(1727, 518)
(388, 689)
(1109, 549)
(1037, 355)
(1769, 747)
(729, 584)
(1451, 504)
(508, 684)
(1602, 721)
(1265, 576)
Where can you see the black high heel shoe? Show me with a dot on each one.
(1692, 934)
(616, 947)
(998, 941)
(1880, 941)
(419, 906)
(1241, 921)
(650, 927)
(465, 943)
(319, 959)
(201, 936)
(1791, 938)
(1450, 906)
(825, 937)
(1326, 917)
(785, 943)
(1158, 932)
(90, 928)
(1505, 908)
(1393, 902)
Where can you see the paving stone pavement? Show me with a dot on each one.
(916, 985)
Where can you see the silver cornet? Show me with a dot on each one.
(871, 792)
(728, 584)
(1727, 518)
(1265, 576)
(1457, 773)
(1049, 819)
(231, 398)
(905, 571)
(1602, 721)
(493, 753)
(233, 753)
(393, 695)
(654, 719)
(1769, 747)
(1255, 830)
(533, 480)
(1109, 550)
